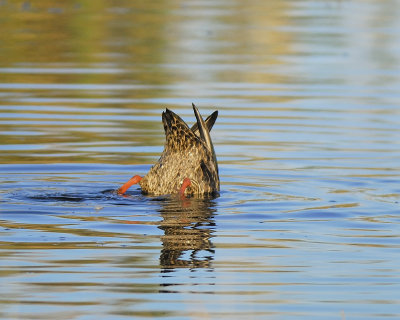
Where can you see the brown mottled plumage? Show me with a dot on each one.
(188, 155)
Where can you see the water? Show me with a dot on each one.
(307, 222)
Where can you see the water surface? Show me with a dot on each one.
(307, 222)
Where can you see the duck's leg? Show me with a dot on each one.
(128, 184)
(186, 183)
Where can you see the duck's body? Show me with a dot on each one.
(188, 164)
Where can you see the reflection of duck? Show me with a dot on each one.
(187, 232)
(188, 163)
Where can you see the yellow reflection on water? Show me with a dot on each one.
(154, 45)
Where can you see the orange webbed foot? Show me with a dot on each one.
(186, 183)
(128, 184)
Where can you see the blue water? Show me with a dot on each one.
(307, 222)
